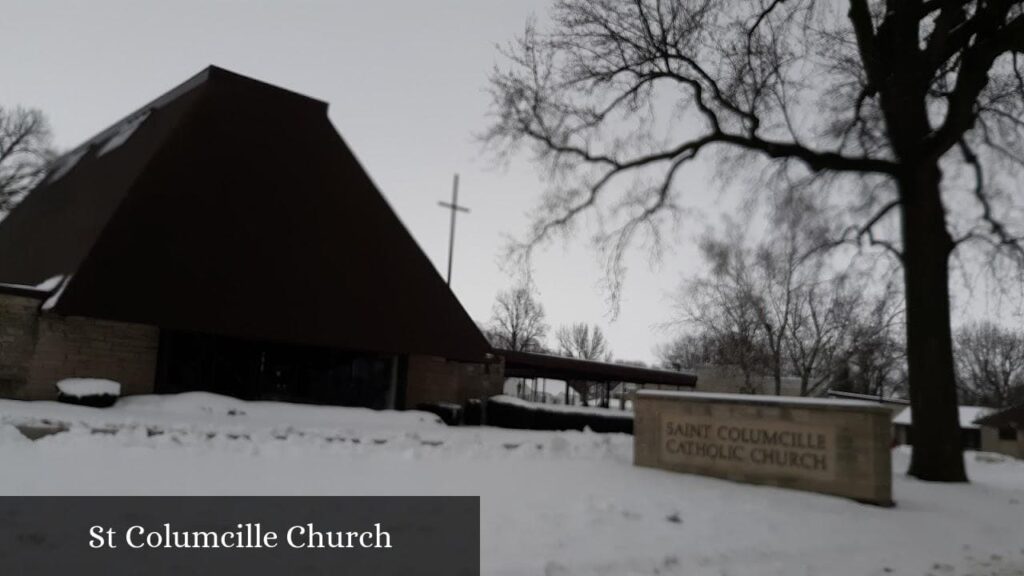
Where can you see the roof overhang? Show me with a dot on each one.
(536, 365)
(1013, 416)
(870, 398)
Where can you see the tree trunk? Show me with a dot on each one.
(937, 453)
(777, 376)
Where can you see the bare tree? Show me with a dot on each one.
(747, 301)
(777, 265)
(874, 359)
(688, 351)
(819, 336)
(517, 321)
(772, 312)
(811, 318)
(587, 343)
(724, 308)
(833, 330)
(990, 363)
(582, 341)
(25, 152)
(881, 102)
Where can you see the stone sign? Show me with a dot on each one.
(837, 447)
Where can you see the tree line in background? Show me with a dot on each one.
(903, 116)
(834, 331)
(782, 309)
(990, 364)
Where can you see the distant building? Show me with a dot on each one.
(1003, 431)
(896, 405)
(970, 433)
(604, 380)
(731, 380)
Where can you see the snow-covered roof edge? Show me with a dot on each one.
(40, 291)
(968, 415)
(763, 399)
(56, 294)
(869, 397)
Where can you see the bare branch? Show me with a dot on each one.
(25, 153)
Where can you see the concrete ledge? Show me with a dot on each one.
(839, 447)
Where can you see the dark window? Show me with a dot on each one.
(254, 370)
(970, 439)
(1007, 433)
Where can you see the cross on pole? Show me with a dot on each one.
(454, 207)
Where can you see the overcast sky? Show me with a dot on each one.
(406, 82)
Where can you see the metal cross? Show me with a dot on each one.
(454, 207)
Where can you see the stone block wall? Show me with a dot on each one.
(39, 349)
(839, 447)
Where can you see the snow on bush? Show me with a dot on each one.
(82, 387)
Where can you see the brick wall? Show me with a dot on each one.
(18, 315)
(39, 349)
(833, 447)
(433, 379)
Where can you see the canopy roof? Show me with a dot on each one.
(232, 206)
(536, 365)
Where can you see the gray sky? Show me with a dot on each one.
(406, 82)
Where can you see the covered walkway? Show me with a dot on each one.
(534, 365)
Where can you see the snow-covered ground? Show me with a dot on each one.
(553, 503)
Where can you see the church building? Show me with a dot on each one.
(224, 238)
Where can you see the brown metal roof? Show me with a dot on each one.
(234, 207)
(535, 365)
(1012, 416)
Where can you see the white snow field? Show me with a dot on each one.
(553, 503)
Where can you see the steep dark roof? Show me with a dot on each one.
(1012, 416)
(535, 365)
(233, 207)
